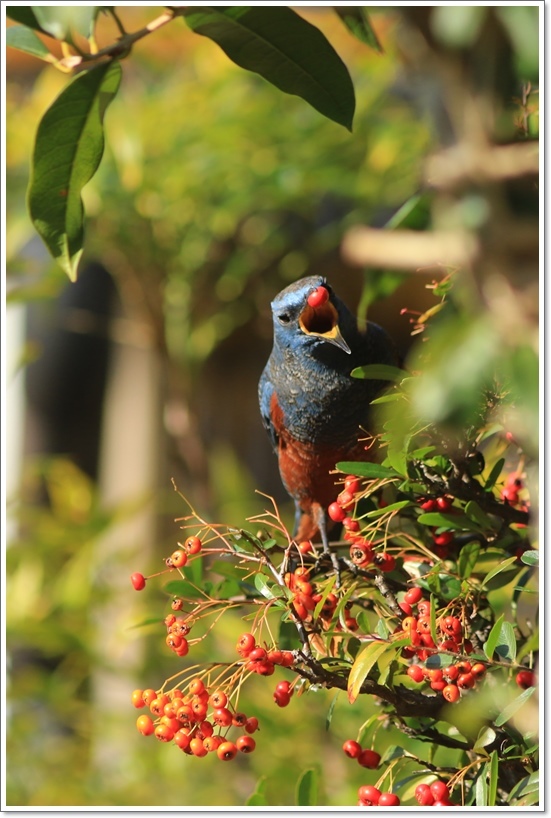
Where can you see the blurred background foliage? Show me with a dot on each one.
(215, 191)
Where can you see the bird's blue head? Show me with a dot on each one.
(310, 314)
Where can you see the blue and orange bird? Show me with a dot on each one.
(314, 411)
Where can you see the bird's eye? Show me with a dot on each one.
(283, 318)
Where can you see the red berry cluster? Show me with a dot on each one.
(283, 693)
(184, 718)
(417, 626)
(318, 297)
(178, 559)
(178, 628)
(366, 758)
(450, 680)
(369, 796)
(260, 659)
(433, 795)
(361, 552)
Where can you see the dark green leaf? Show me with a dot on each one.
(512, 708)
(379, 372)
(501, 640)
(357, 22)
(285, 49)
(372, 471)
(457, 522)
(68, 150)
(494, 474)
(24, 39)
(475, 513)
(467, 559)
(24, 15)
(443, 585)
(378, 512)
(307, 789)
(527, 785)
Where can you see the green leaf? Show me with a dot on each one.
(61, 21)
(525, 786)
(357, 22)
(261, 584)
(362, 665)
(24, 39)
(307, 788)
(372, 471)
(456, 522)
(379, 372)
(530, 558)
(285, 49)
(485, 737)
(24, 15)
(481, 787)
(497, 468)
(378, 512)
(475, 513)
(467, 559)
(258, 797)
(498, 569)
(179, 587)
(512, 708)
(493, 777)
(391, 397)
(68, 150)
(329, 717)
(501, 640)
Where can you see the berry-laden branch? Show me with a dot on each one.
(407, 622)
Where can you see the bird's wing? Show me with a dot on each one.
(266, 392)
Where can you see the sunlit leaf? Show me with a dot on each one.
(530, 557)
(485, 737)
(373, 471)
(498, 569)
(512, 708)
(68, 150)
(285, 49)
(61, 21)
(363, 663)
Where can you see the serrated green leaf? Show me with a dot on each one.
(512, 708)
(467, 559)
(24, 39)
(307, 788)
(68, 150)
(363, 663)
(498, 569)
(373, 471)
(258, 797)
(357, 22)
(285, 49)
(379, 372)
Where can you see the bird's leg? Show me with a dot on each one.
(320, 518)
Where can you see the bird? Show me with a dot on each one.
(314, 411)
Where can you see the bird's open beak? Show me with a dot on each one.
(323, 322)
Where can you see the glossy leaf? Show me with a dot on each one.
(357, 22)
(307, 789)
(530, 558)
(68, 150)
(24, 39)
(501, 640)
(363, 663)
(285, 49)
